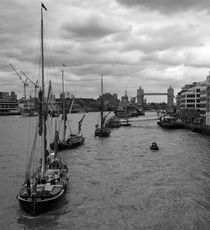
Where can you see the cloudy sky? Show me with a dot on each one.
(147, 43)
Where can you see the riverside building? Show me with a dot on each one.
(193, 102)
(8, 103)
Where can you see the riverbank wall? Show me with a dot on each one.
(198, 128)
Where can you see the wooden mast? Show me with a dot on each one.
(64, 112)
(102, 103)
(44, 142)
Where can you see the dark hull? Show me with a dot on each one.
(102, 133)
(154, 148)
(126, 125)
(113, 122)
(39, 205)
(112, 125)
(62, 145)
(173, 125)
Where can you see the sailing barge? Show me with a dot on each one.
(45, 187)
(103, 130)
(73, 140)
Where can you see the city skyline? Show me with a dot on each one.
(150, 44)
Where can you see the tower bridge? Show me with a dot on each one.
(169, 94)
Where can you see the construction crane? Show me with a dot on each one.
(25, 84)
(36, 86)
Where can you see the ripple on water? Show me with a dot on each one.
(117, 182)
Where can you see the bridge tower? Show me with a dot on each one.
(170, 99)
(169, 94)
(140, 97)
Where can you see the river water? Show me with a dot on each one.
(116, 182)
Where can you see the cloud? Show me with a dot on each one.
(91, 26)
(176, 57)
(128, 44)
(169, 6)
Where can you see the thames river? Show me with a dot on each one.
(116, 182)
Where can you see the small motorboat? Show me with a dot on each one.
(154, 146)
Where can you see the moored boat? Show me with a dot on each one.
(43, 193)
(103, 130)
(170, 122)
(113, 122)
(154, 146)
(73, 140)
(45, 184)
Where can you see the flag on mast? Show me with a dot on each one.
(44, 6)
